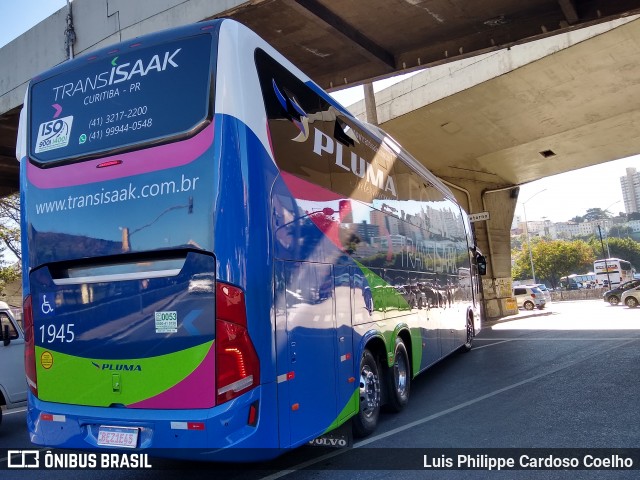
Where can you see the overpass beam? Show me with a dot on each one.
(370, 48)
(569, 11)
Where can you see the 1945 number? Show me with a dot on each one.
(53, 333)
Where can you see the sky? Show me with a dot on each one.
(18, 16)
(558, 198)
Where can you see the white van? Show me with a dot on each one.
(13, 384)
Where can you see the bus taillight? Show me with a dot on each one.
(29, 347)
(237, 363)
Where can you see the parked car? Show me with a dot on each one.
(529, 297)
(631, 297)
(615, 295)
(545, 292)
(13, 384)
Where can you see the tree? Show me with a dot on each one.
(596, 214)
(553, 260)
(10, 225)
(620, 231)
(517, 242)
(9, 239)
(624, 248)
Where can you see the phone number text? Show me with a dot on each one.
(119, 129)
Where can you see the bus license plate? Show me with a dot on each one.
(118, 437)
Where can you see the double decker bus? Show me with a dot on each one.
(220, 260)
(611, 272)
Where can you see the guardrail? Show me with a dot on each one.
(582, 294)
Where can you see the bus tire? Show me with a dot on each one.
(366, 420)
(471, 333)
(399, 379)
(614, 300)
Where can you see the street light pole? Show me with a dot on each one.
(607, 231)
(608, 254)
(526, 229)
(606, 267)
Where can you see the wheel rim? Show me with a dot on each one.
(613, 300)
(400, 371)
(469, 334)
(632, 302)
(528, 306)
(369, 391)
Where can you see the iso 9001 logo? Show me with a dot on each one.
(54, 134)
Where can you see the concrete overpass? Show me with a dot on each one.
(517, 123)
(489, 124)
(337, 43)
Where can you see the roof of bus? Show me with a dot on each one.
(603, 260)
(407, 158)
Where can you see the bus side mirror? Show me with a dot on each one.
(6, 339)
(481, 262)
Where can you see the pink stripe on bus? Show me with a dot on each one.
(133, 163)
(196, 390)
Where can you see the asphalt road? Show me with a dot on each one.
(566, 377)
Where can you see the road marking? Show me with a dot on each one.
(475, 347)
(442, 413)
(14, 410)
(542, 339)
(11, 412)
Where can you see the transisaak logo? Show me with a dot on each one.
(118, 73)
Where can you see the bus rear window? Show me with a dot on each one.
(133, 95)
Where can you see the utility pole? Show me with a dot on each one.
(69, 33)
(370, 104)
(606, 267)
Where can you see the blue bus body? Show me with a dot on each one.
(220, 261)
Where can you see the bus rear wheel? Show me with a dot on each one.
(399, 378)
(471, 333)
(366, 421)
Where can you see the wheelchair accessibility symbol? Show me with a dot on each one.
(45, 306)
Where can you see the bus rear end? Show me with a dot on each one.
(132, 340)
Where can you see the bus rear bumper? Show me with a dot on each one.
(221, 433)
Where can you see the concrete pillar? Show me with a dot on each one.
(493, 238)
(370, 104)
